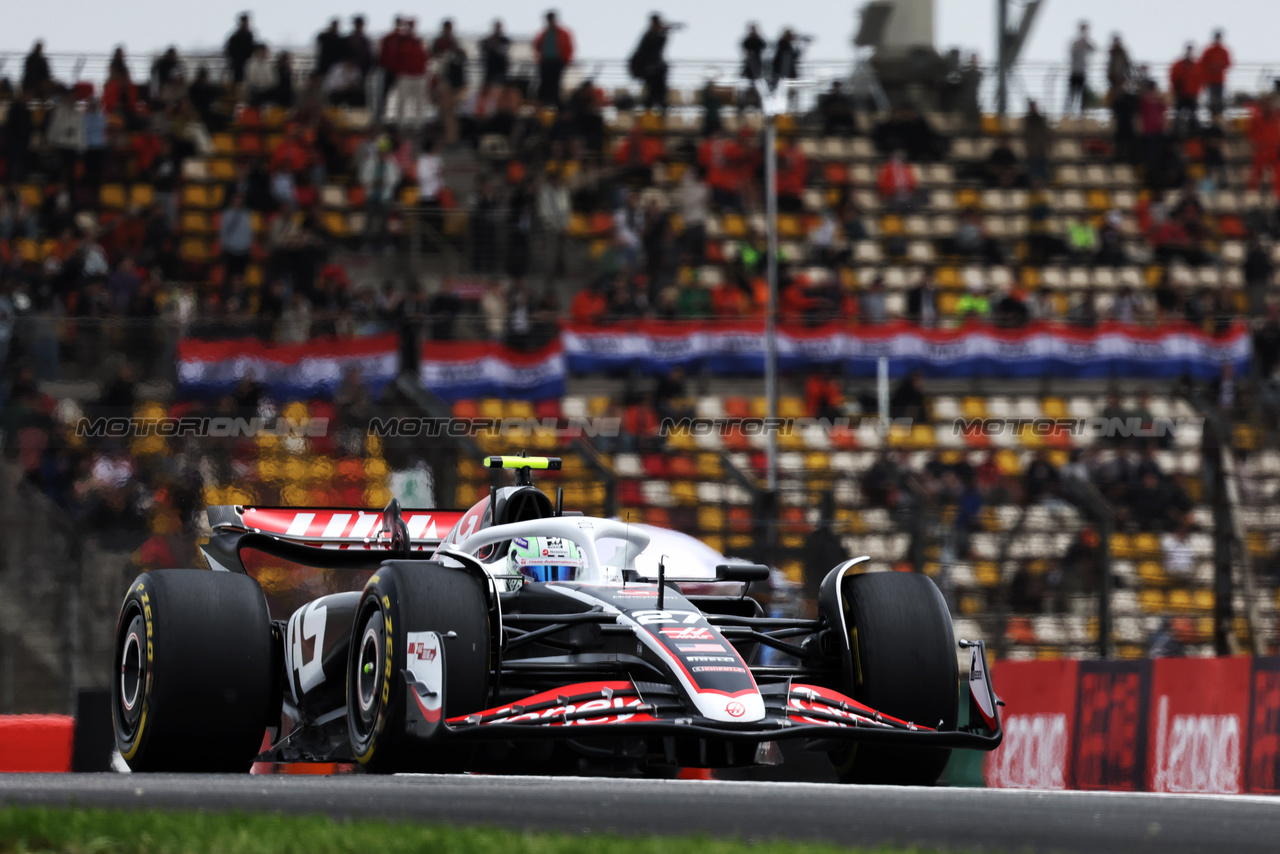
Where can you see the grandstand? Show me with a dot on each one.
(1019, 530)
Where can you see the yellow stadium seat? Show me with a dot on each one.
(195, 222)
(222, 169)
(1054, 407)
(1151, 600)
(710, 519)
(973, 407)
(142, 195)
(112, 196)
(224, 144)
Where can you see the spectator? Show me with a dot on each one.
(1040, 480)
(822, 394)
(1185, 83)
(1111, 251)
(648, 63)
(922, 301)
(239, 48)
(975, 304)
(1037, 140)
(753, 56)
(554, 209)
(897, 182)
(380, 176)
(1264, 134)
(344, 85)
(1119, 69)
(236, 236)
(553, 48)
(37, 81)
(908, 399)
(872, 305)
(720, 157)
(695, 200)
(260, 78)
(495, 50)
(786, 58)
(331, 48)
(359, 47)
(451, 78)
(409, 94)
(1258, 271)
(790, 177)
(1151, 114)
(1002, 164)
(389, 59)
(837, 110)
(1077, 84)
(1214, 64)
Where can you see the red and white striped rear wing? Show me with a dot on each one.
(334, 527)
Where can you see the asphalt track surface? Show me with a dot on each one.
(949, 819)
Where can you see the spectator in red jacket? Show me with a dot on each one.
(1264, 133)
(554, 49)
(790, 178)
(1214, 63)
(720, 157)
(408, 101)
(389, 58)
(897, 181)
(587, 307)
(1185, 82)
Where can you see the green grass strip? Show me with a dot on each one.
(75, 831)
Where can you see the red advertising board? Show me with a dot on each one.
(1199, 723)
(1262, 771)
(1111, 719)
(1038, 717)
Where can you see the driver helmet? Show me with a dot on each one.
(545, 558)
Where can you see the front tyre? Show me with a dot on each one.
(414, 597)
(191, 686)
(904, 665)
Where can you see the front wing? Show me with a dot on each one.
(643, 709)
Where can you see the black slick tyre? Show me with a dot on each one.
(414, 597)
(191, 686)
(904, 664)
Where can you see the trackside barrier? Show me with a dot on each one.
(36, 742)
(1208, 725)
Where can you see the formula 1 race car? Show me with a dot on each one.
(527, 640)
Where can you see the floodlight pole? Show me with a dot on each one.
(771, 312)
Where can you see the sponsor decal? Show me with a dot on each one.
(687, 634)
(1196, 753)
(422, 652)
(736, 709)
(1034, 753)
(718, 669)
(521, 542)
(692, 658)
(700, 647)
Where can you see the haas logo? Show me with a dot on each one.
(736, 709)
(687, 634)
(422, 652)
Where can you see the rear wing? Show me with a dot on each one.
(390, 529)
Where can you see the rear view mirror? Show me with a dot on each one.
(744, 572)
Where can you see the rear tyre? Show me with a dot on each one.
(402, 598)
(904, 665)
(191, 686)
